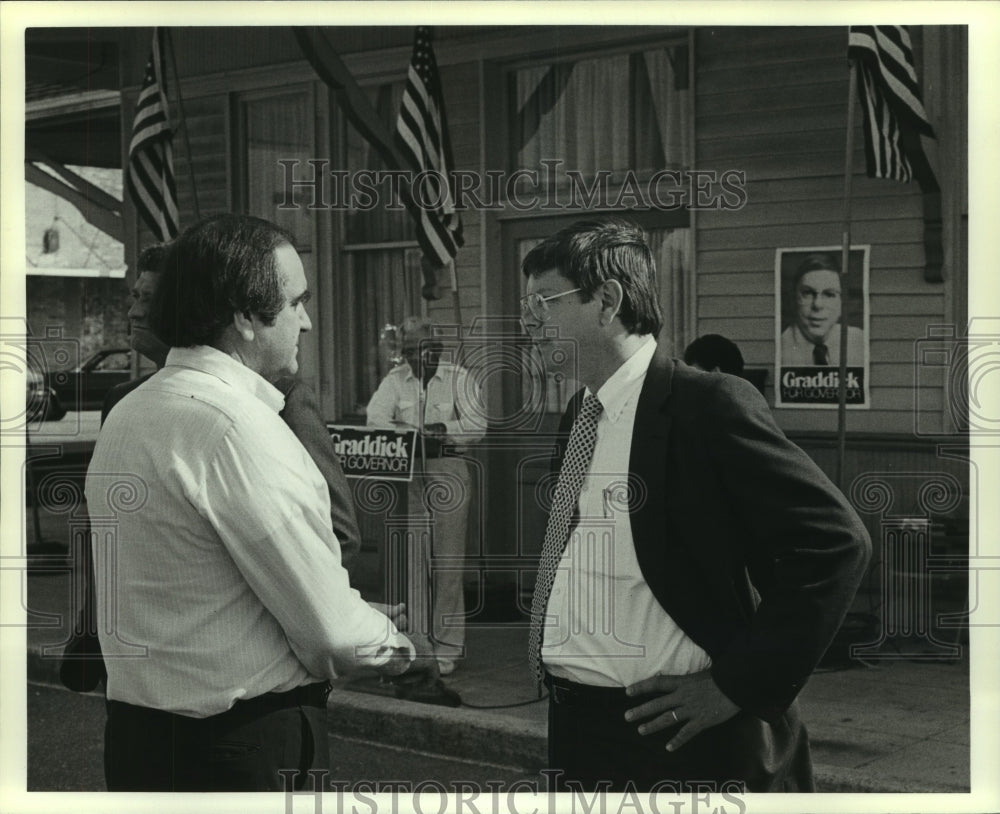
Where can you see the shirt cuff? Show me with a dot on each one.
(390, 660)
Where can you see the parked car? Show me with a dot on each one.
(41, 400)
(85, 386)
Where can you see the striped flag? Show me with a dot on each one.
(150, 153)
(894, 114)
(422, 138)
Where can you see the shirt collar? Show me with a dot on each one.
(223, 366)
(407, 373)
(799, 338)
(625, 382)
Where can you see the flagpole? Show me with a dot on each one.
(845, 254)
(456, 306)
(187, 137)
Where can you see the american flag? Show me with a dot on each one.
(150, 153)
(894, 113)
(422, 137)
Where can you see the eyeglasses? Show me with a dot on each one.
(537, 306)
(811, 295)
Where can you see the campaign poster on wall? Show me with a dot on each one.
(814, 303)
(374, 452)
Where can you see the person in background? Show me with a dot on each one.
(675, 643)
(229, 578)
(714, 353)
(440, 399)
(140, 336)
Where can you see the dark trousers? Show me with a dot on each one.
(247, 748)
(593, 747)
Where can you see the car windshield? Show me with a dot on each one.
(116, 360)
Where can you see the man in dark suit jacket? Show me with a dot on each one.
(674, 650)
(301, 414)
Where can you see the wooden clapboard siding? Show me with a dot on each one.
(899, 264)
(858, 421)
(206, 124)
(206, 51)
(829, 188)
(750, 305)
(757, 279)
(772, 102)
(929, 304)
(809, 211)
(769, 102)
(895, 375)
(732, 101)
(756, 328)
(903, 469)
(763, 146)
(460, 85)
(732, 44)
(714, 127)
(789, 234)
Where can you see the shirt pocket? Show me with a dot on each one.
(439, 410)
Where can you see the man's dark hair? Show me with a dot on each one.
(713, 351)
(151, 258)
(590, 252)
(820, 261)
(219, 267)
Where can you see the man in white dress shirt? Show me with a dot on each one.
(449, 396)
(224, 609)
(696, 564)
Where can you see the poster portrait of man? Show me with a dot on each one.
(814, 304)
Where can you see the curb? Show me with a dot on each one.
(489, 737)
(41, 668)
(492, 738)
(458, 732)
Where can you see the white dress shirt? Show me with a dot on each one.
(220, 578)
(451, 398)
(796, 349)
(604, 626)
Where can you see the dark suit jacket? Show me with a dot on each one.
(118, 392)
(301, 414)
(741, 537)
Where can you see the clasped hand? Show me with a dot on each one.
(424, 667)
(691, 700)
(423, 670)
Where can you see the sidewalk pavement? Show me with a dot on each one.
(893, 725)
(899, 725)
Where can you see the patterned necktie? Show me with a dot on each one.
(821, 354)
(575, 465)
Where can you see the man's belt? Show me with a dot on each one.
(308, 695)
(564, 691)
